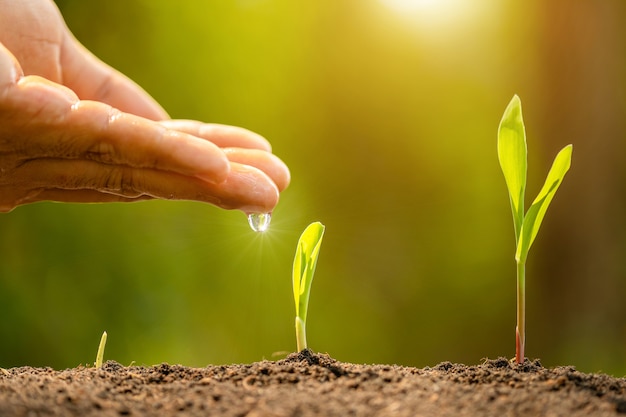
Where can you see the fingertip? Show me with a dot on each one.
(267, 162)
(253, 191)
(287, 179)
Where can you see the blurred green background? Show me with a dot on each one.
(386, 112)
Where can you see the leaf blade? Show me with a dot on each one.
(537, 211)
(512, 155)
(298, 263)
(305, 263)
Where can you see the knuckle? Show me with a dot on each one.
(121, 181)
(101, 152)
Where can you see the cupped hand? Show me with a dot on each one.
(73, 129)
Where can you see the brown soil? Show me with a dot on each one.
(308, 384)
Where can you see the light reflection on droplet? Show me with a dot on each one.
(259, 222)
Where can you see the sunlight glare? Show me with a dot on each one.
(411, 5)
(429, 14)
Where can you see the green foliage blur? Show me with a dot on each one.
(387, 119)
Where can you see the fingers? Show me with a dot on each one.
(49, 122)
(223, 136)
(124, 139)
(53, 146)
(245, 188)
(92, 79)
(240, 145)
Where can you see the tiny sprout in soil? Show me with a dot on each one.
(512, 154)
(100, 354)
(259, 222)
(303, 269)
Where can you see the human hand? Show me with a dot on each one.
(73, 129)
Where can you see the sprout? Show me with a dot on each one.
(512, 156)
(303, 269)
(100, 354)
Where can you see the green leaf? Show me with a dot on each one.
(304, 265)
(100, 353)
(537, 210)
(512, 155)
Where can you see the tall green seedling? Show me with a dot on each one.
(303, 269)
(512, 154)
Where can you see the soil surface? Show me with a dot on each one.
(309, 384)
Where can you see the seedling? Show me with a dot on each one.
(303, 269)
(100, 354)
(512, 155)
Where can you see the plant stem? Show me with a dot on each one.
(300, 334)
(520, 331)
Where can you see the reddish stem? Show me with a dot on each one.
(519, 347)
(520, 330)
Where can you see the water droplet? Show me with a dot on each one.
(260, 222)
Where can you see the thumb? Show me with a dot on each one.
(92, 79)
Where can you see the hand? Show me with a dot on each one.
(73, 129)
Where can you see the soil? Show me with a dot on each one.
(309, 384)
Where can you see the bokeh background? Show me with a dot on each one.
(386, 112)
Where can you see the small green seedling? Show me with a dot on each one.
(303, 269)
(100, 354)
(512, 155)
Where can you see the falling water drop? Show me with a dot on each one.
(260, 222)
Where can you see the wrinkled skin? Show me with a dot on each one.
(73, 129)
